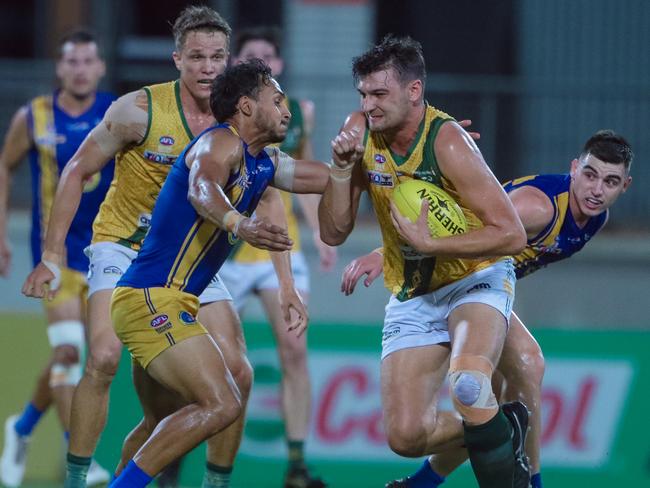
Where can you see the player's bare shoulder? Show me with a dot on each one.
(127, 119)
(534, 208)
(219, 146)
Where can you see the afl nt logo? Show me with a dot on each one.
(379, 159)
(167, 141)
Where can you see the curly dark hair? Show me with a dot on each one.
(198, 18)
(242, 80)
(610, 147)
(403, 54)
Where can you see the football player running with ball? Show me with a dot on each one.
(455, 299)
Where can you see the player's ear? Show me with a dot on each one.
(245, 106)
(177, 59)
(415, 90)
(627, 183)
(574, 167)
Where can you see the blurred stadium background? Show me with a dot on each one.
(537, 77)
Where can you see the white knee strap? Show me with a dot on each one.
(66, 333)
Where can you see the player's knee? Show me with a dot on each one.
(242, 373)
(219, 409)
(406, 440)
(104, 359)
(293, 355)
(471, 388)
(67, 340)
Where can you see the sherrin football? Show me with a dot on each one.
(445, 216)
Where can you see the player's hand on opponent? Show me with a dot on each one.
(5, 257)
(328, 254)
(415, 234)
(347, 149)
(262, 234)
(465, 124)
(44, 280)
(370, 265)
(293, 309)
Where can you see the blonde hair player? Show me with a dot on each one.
(146, 130)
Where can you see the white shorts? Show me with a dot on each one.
(244, 279)
(109, 261)
(422, 321)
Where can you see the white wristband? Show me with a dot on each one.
(56, 271)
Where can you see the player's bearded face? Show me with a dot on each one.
(596, 184)
(384, 100)
(203, 57)
(80, 68)
(272, 116)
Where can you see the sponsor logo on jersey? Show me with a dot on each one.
(187, 318)
(166, 140)
(425, 175)
(161, 323)
(144, 220)
(380, 179)
(160, 158)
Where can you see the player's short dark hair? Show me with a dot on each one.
(77, 36)
(237, 81)
(267, 33)
(609, 147)
(403, 54)
(198, 18)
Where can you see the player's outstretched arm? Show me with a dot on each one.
(16, 144)
(293, 308)
(124, 123)
(211, 161)
(461, 162)
(338, 208)
(370, 266)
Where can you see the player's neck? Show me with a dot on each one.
(249, 133)
(578, 217)
(196, 111)
(401, 138)
(74, 105)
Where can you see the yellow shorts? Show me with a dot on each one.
(73, 285)
(151, 320)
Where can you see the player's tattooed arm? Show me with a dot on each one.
(16, 144)
(211, 161)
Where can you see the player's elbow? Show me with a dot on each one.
(514, 238)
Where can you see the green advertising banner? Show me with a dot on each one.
(595, 388)
(594, 399)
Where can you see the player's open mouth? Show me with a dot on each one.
(592, 203)
(205, 82)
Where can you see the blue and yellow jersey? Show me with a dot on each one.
(56, 136)
(141, 169)
(562, 237)
(292, 144)
(182, 250)
(408, 274)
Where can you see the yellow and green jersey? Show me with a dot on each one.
(141, 170)
(408, 274)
